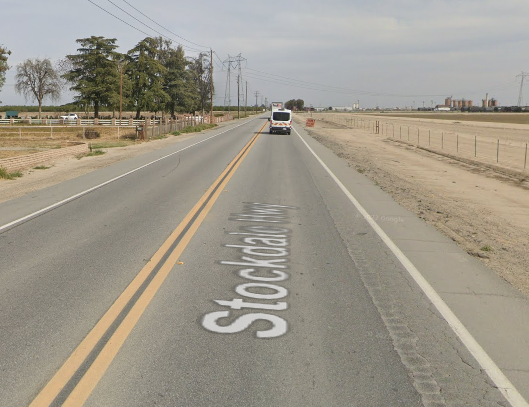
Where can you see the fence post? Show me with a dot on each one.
(475, 146)
(429, 137)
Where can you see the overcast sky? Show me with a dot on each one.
(329, 53)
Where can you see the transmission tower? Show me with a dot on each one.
(234, 63)
(520, 96)
(240, 91)
(227, 92)
(240, 59)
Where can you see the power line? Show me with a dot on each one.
(123, 21)
(136, 28)
(176, 35)
(326, 88)
(278, 79)
(141, 22)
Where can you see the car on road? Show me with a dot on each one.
(70, 116)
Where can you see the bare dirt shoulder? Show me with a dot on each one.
(67, 168)
(485, 212)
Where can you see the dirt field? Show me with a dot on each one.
(20, 140)
(483, 207)
(510, 118)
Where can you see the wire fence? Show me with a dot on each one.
(86, 130)
(510, 152)
(104, 122)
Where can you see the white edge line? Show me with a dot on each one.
(501, 381)
(73, 197)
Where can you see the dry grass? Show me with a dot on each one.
(513, 118)
(15, 147)
(22, 140)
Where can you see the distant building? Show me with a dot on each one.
(342, 108)
(458, 103)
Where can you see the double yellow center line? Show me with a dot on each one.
(79, 375)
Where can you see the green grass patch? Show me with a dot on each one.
(4, 174)
(41, 167)
(486, 249)
(111, 144)
(196, 129)
(92, 153)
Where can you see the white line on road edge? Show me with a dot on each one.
(71, 198)
(493, 371)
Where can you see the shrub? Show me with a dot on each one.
(90, 134)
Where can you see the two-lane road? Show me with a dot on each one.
(227, 270)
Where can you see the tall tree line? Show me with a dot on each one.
(4, 54)
(153, 76)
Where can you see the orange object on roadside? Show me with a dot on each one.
(310, 123)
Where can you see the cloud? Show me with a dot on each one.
(403, 47)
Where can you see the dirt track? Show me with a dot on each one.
(485, 211)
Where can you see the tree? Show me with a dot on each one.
(177, 82)
(94, 72)
(290, 104)
(201, 73)
(37, 79)
(300, 104)
(145, 73)
(4, 53)
(294, 104)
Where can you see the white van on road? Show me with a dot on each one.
(280, 121)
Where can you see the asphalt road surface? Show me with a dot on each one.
(240, 268)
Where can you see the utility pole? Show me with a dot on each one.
(520, 96)
(246, 101)
(121, 63)
(211, 85)
(239, 65)
(120, 92)
(256, 96)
